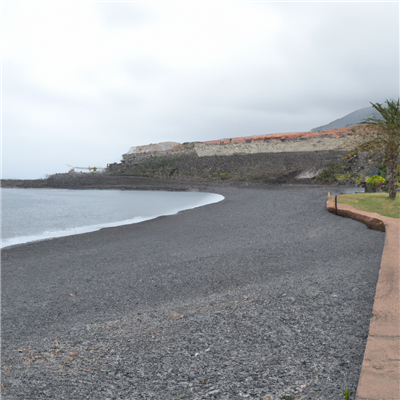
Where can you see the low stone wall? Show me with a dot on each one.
(275, 146)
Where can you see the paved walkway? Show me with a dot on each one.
(380, 373)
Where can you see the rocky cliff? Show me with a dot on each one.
(290, 157)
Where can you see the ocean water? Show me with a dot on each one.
(36, 214)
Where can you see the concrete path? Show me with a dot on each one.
(380, 373)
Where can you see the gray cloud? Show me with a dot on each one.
(123, 15)
(321, 62)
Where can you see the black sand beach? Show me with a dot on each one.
(263, 294)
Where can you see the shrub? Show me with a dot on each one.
(376, 181)
(332, 173)
(382, 171)
(224, 175)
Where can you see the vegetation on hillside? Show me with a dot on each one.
(335, 173)
(383, 135)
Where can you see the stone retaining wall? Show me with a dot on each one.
(275, 146)
(273, 167)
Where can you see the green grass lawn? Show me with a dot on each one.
(373, 202)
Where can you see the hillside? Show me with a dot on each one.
(289, 157)
(351, 119)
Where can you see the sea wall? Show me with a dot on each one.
(321, 143)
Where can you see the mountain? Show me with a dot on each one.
(351, 119)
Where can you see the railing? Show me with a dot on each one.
(345, 191)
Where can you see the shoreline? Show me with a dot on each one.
(187, 201)
(129, 182)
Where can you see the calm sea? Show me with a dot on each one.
(36, 214)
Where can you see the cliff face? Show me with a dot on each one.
(336, 139)
(286, 157)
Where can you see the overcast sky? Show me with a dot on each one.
(82, 82)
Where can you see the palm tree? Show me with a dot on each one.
(383, 134)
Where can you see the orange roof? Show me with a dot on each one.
(340, 132)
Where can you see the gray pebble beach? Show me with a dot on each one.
(265, 294)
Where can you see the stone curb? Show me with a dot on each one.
(380, 372)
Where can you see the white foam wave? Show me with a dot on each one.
(212, 198)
